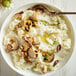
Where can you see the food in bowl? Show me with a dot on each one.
(36, 40)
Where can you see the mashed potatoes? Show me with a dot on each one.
(35, 40)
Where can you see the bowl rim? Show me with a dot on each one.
(10, 15)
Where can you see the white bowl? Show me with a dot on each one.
(7, 57)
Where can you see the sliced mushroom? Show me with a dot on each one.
(31, 53)
(25, 47)
(27, 25)
(36, 41)
(56, 62)
(23, 50)
(48, 57)
(29, 40)
(15, 43)
(44, 69)
(9, 48)
(58, 48)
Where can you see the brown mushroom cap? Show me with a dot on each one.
(31, 53)
(9, 48)
(58, 47)
(50, 57)
(56, 62)
(14, 43)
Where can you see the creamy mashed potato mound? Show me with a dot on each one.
(37, 41)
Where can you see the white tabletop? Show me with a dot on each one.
(65, 5)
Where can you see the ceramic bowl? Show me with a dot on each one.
(7, 57)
